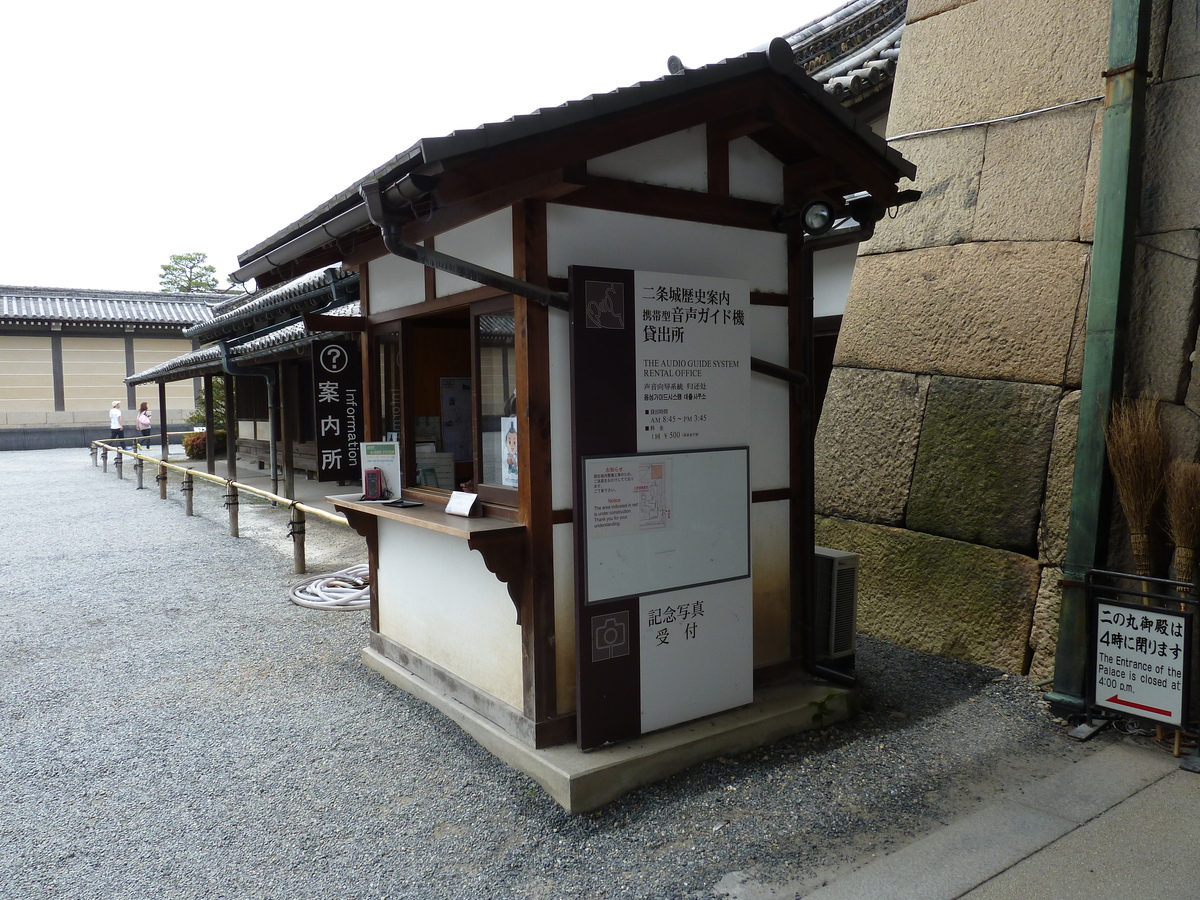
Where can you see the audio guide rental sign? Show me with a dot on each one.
(664, 601)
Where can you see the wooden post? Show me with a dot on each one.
(186, 487)
(289, 406)
(162, 418)
(120, 464)
(231, 504)
(104, 458)
(95, 462)
(162, 481)
(231, 431)
(297, 532)
(210, 436)
(139, 465)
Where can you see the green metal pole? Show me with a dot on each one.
(1108, 306)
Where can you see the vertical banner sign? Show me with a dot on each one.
(664, 601)
(337, 400)
(1143, 661)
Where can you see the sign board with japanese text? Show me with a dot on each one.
(660, 371)
(662, 521)
(1142, 661)
(337, 404)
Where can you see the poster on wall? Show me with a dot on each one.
(508, 469)
(337, 401)
(456, 418)
(664, 595)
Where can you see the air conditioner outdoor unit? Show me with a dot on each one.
(836, 602)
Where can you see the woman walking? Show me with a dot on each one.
(143, 422)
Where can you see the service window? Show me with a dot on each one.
(447, 390)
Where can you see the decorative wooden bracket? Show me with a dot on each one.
(505, 556)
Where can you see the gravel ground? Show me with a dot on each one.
(173, 727)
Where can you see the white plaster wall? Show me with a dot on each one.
(564, 614)
(394, 282)
(677, 160)
(754, 174)
(486, 242)
(769, 397)
(437, 598)
(832, 270)
(592, 237)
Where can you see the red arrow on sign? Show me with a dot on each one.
(1150, 709)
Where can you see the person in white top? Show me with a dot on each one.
(114, 421)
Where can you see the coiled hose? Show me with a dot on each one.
(343, 590)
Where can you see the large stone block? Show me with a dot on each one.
(866, 444)
(923, 9)
(1170, 188)
(1043, 202)
(1060, 475)
(981, 466)
(993, 58)
(948, 169)
(1162, 317)
(1180, 23)
(1091, 183)
(1181, 431)
(1043, 636)
(997, 310)
(937, 595)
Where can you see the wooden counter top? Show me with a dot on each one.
(431, 516)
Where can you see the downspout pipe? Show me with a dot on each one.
(1107, 313)
(392, 229)
(229, 367)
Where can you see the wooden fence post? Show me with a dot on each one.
(104, 458)
(297, 533)
(119, 462)
(162, 482)
(231, 504)
(186, 487)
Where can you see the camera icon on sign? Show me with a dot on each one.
(610, 636)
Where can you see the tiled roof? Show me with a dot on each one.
(854, 18)
(853, 50)
(282, 342)
(33, 305)
(265, 308)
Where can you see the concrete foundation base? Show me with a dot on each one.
(581, 782)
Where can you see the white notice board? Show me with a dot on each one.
(664, 521)
(1143, 657)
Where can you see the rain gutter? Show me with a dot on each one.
(391, 227)
(229, 367)
(1107, 314)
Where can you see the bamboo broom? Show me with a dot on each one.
(1183, 517)
(1137, 458)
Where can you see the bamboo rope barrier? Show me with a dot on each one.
(298, 511)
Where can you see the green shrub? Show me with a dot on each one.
(195, 445)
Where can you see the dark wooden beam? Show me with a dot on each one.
(671, 203)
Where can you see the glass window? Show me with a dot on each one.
(496, 368)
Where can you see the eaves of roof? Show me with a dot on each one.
(36, 305)
(428, 153)
(283, 342)
(278, 305)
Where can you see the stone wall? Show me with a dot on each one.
(945, 450)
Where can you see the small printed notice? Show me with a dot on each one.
(1142, 656)
(462, 504)
(629, 496)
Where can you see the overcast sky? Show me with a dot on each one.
(134, 130)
